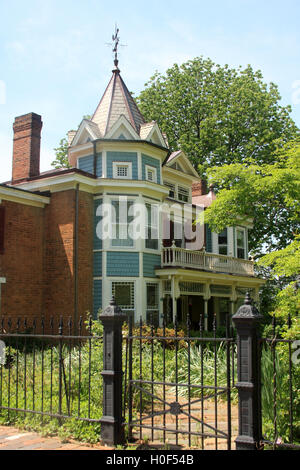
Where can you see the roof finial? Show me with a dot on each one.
(116, 40)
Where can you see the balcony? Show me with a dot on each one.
(179, 257)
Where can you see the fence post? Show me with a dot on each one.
(246, 321)
(112, 423)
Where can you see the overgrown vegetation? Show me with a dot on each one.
(37, 387)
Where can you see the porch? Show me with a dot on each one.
(204, 294)
(181, 257)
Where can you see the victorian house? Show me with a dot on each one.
(66, 239)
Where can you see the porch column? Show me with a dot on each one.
(161, 304)
(206, 299)
(175, 295)
(205, 314)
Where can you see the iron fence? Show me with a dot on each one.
(180, 385)
(167, 386)
(280, 389)
(50, 371)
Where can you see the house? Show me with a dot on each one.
(68, 237)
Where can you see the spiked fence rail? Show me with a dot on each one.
(166, 385)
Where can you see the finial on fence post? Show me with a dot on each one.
(246, 321)
(112, 423)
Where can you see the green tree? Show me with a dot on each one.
(267, 193)
(61, 153)
(217, 115)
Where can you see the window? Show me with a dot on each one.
(123, 292)
(240, 243)
(2, 224)
(151, 174)
(223, 242)
(120, 223)
(122, 170)
(171, 187)
(183, 194)
(152, 303)
(151, 227)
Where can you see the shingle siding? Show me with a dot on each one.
(122, 264)
(146, 160)
(150, 262)
(97, 263)
(122, 157)
(97, 294)
(97, 219)
(87, 164)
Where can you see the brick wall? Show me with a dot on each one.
(22, 261)
(59, 273)
(38, 261)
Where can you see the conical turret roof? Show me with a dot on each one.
(117, 101)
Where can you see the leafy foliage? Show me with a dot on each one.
(217, 115)
(269, 194)
(61, 153)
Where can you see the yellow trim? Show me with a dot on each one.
(210, 277)
(20, 197)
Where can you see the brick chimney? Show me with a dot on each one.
(199, 189)
(26, 151)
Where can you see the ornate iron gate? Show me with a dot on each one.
(179, 385)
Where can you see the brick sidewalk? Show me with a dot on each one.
(14, 439)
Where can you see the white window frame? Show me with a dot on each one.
(241, 229)
(223, 244)
(149, 308)
(183, 190)
(125, 308)
(153, 225)
(121, 226)
(172, 187)
(152, 169)
(128, 165)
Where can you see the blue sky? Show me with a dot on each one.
(54, 59)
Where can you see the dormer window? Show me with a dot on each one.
(183, 194)
(122, 170)
(171, 189)
(151, 174)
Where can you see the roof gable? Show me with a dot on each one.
(122, 129)
(87, 131)
(178, 161)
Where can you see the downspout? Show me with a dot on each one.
(95, 158)
(76, 259)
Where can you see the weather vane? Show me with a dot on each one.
(115, 44)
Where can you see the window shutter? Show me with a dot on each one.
(2, 224)
(208, 239)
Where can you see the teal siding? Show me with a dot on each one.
(97, 219)
(99, 165)
(87, 164)
(122, 264)
(146, 160)
(122, 157)
(150, 262)
(97, 296)
(208, 239)
(98, 263)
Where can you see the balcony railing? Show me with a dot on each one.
(180, 257)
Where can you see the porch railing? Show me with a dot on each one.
(174, 256)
